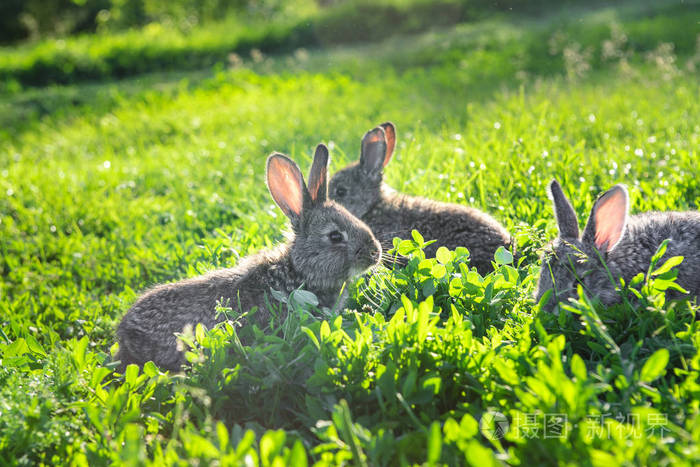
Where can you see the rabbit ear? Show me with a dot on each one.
(318, 175)
(563, 211)
(608, 218)
(286, 185)
(390, 132)
(374, 150)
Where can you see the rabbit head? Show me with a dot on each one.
(571, 260)
(329, 245)
(358, 186)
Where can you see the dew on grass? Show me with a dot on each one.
(106, 164)
(257, 55)
(301, 54)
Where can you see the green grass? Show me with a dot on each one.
(109, 188)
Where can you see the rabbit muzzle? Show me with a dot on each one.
(367, 254)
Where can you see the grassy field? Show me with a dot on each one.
(110, 187)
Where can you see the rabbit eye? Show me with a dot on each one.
(335, 237)
(341, 191)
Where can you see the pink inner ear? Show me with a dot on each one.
(284, 186)
(315, 184)
(390, 142)
(610, 220)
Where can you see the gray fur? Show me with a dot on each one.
(309, 259)
(563, 212)
(359, 187)
(570, 261)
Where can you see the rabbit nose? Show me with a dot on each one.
(364, 250)
(376, 252)
(371, 250)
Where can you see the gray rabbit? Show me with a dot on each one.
(359, 187)
(328, 246)
(624, 243)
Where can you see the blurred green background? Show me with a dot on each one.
(35, 19)
(62, 41)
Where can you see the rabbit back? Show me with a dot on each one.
(147, 331)
(451, 225)
(646, 231)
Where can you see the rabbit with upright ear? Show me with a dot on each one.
(359, 187)
(328, 246)
(612, 238)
